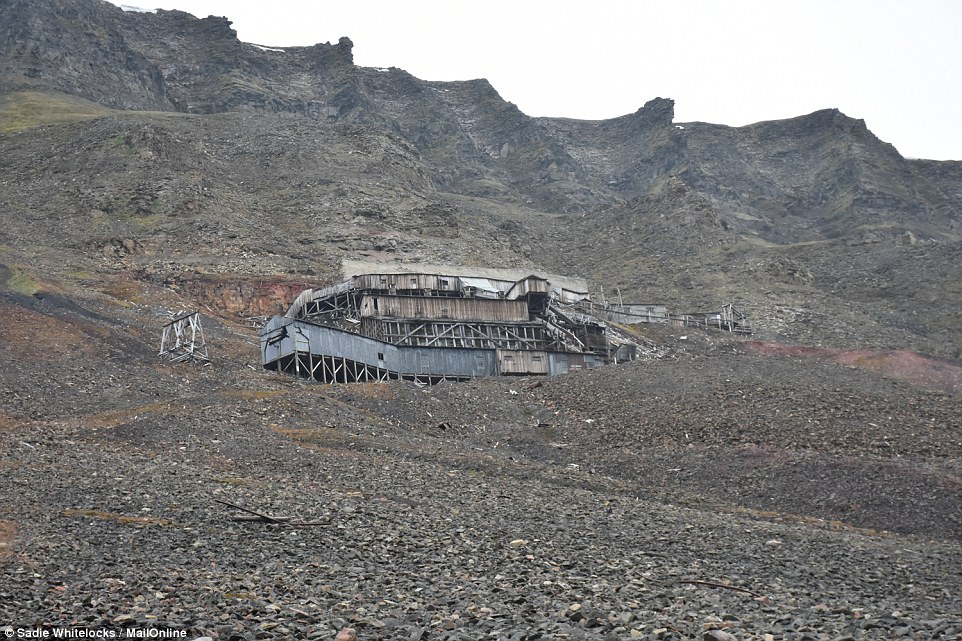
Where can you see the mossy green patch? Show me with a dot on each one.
(26, 109)
(17, 279)
(150, 220)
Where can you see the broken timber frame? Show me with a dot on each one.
(183, 339)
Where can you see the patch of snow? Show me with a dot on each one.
(263, 48)
(133, 9)
(381, 69)
(678, 127)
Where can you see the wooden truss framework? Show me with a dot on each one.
(728, 319)
(453, 333)
(325, 310)
(561, 334)
(183, 339)
(337, 369)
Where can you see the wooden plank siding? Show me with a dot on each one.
(443, 307)
(530, 285)
(406, 282)
(522, 362)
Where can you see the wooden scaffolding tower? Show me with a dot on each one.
(183, 339)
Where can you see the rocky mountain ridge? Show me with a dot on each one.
(818, 176)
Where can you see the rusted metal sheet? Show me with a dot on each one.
(576, 362)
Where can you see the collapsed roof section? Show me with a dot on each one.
(430, 327)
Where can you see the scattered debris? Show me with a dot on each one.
(260, 516)
(275, 520)
(761, 597)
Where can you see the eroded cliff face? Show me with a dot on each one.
(240, 296)
(478, 144)
(80, 48)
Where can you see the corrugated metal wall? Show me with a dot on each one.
(282, 336)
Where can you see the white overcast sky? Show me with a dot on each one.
(895, 63)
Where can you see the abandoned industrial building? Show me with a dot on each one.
(433, 327)
(429, 327)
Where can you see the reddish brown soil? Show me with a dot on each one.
(29, 335)
(930, 372)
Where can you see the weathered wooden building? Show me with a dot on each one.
(432, 327)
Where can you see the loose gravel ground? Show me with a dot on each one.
(486, 510)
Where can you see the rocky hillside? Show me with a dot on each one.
(802, 485)
(160, 146)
